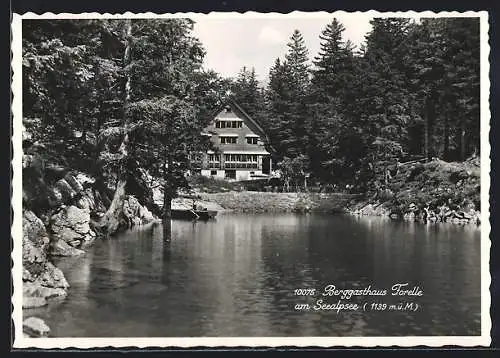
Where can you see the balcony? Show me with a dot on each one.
(214, 165)
(240, 165)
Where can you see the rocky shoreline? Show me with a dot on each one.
(425, 215)
(65, 228)
(435, 192)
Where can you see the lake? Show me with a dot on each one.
(263, 275)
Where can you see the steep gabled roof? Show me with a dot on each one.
(247, 116)
(230, 101)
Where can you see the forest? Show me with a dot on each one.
(125, 101)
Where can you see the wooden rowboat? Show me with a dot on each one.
(190, 214)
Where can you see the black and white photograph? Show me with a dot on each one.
(227, 179)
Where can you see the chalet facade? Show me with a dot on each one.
(240, 143)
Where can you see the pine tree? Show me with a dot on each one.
(444, 58)
(296, 58)
(383, 95)
(287, 100)
(331, 99)
(246, 92)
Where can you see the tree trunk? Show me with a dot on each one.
(167, 212)
(128, 82)
(428, 123)
(462, 138)
(426, 137)
(111, 218)
(446, 139)
(168, 192)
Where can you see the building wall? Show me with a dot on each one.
(219, 174)
(245, 174)
(240, 174)
(241, 169)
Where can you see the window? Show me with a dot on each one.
(241, 158)
(228, 140)
(228, 124)
(231, 174)
(222, 124)
(213, 157)
(252, 140)
(235, 124)
(213, 172)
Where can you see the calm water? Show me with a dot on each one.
(236, 277)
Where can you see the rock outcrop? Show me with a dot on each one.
(41, 279)
(134, 213)
(72, 225)
(435, 191)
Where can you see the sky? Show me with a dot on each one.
(232, 42)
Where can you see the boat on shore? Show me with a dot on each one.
(192, 214)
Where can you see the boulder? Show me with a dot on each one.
(41, 279)
(35, 327)
(34, 230)
(74, 183)
(84, 179)
(66, 192)
(33, 302)
(394, 216)
(134, 213)
(146, 215)
(27, 275)
(34, 258)
(37, 290)
(62, 248)
(409, 216)
(52, 277)
(71, 224)
(87, 201)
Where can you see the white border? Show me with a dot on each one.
(16, 230)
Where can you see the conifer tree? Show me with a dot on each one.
(287, 100)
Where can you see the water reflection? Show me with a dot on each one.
(236, 277)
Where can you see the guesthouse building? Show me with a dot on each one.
(240, 144)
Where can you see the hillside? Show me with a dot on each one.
(435, 191)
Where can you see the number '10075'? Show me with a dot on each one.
(304, 292)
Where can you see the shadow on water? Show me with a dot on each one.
(237, 276)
